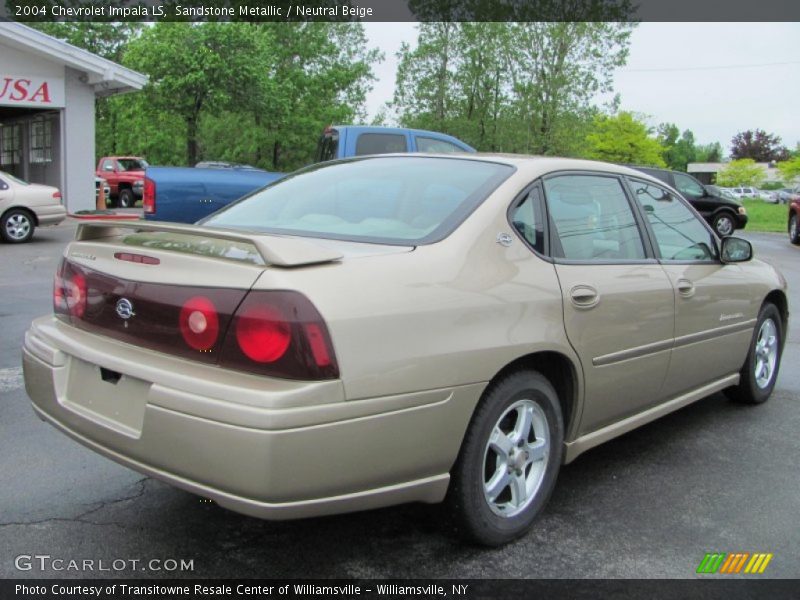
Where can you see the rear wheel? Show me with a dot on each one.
(16, 226)
(509, 459)
(125, 199)
(763, 360)
(794, 229)
(724, 224)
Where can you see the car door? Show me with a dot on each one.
(712, 326)
(618, 301)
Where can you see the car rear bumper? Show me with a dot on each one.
(264, 447)
(51, 214)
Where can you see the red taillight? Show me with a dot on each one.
(263, 333)
(199, 323)
(149, 196)
(318, 343)
(69, 291)
(281, 334)
(57, 196)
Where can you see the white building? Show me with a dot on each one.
(707, 172)
(47, 96)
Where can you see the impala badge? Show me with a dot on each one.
(125, 309)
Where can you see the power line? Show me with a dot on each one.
(720, 67)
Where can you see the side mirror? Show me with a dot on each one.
(736, 250)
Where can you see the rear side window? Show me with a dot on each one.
(108, 165)
(427, 144)
(527, 218)
(380, 143)
(592, 219)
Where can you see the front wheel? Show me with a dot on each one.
(509, 459)
(760, 370)
(16, 226)
(794, 229)
(723, 224)
(125, 199)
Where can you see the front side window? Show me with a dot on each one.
(680, 234)
(592, 219)
(688, 186)
(427, 144)
(390, 200)
(380, 143)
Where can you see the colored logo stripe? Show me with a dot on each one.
(758, 563)
(734, 562)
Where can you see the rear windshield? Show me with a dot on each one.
(386, 200)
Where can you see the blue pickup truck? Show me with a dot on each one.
(186, 195)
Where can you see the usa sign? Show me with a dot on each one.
(26, 90)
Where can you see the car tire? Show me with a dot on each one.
(16, 226)
(125, 199)
(509, 459)
(724, 224)
(794, 229)
(755, 384)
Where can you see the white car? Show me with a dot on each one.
(25, 206)
(744, 192)
(768, 196)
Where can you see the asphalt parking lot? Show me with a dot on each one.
(712, 477)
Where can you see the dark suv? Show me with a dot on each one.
(723, 214)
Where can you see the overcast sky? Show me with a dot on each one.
(714, 78)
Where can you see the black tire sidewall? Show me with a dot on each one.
(796, 238)
(4, 220)
(718, 218)
(483, 525)
(125, 199)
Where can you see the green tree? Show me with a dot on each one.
(743, 171)
(790, 169)
(623, 138)
(678, 148)
(196, 68)
(311, 75)
(519, 87)
(709, 153)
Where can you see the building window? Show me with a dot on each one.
(41, 134)
(10, 146)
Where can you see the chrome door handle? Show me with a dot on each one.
(685, 288)
(584, 296)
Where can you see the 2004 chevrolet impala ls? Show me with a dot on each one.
(401, 328)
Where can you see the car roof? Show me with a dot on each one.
(530, 165)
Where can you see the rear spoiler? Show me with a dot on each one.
(277, 250)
